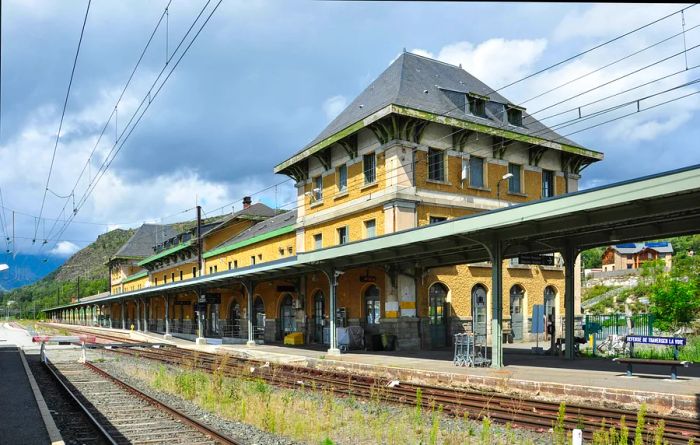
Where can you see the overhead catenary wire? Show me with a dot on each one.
(150, 97)
(114, 112)
(63, 114)
(594, 48)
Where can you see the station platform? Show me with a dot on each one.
(22, 421)
(581, 381)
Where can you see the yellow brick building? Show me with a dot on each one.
(426, 142)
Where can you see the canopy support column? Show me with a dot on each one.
(249, 288)
(167, 335)
(496, 249)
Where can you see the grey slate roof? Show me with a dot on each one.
(274, 223)
(257, 210)
(404, 83)
(141, 243)
(632, 248)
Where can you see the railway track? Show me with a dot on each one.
(125, 415)
(528, 413)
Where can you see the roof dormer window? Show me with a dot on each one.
(477, 105)
(515, 116)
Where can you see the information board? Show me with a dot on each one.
(646, 340)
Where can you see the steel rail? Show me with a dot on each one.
(530, 413)
(226, 440)
(521, 411)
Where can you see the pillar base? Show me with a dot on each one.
(335, 352)
(167, 337)
(201, 341)
(250, 343)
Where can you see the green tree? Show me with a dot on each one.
(592, 258)
(674, 296)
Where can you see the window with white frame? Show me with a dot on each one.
(369, 167)
(436, 164)
(342, 235)
(476, 171)
(318, 241)
(342, 173)
(317, 185)
(514, 185)
(370, 228)
(547, 183)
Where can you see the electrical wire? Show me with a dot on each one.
(63, 114)
(614, 39)
(150, 96)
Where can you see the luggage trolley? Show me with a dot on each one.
(468, 352)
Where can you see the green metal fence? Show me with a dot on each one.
(601, 326)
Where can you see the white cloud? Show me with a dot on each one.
(494, 61)
(64, 249)
(334, 105)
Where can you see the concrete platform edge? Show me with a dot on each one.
(51, 428)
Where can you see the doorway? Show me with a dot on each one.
(479, 313)
(287, 321)
(234, 320)
(516, 311)
(319, 321)
(436, 312)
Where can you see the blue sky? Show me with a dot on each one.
(265, 77)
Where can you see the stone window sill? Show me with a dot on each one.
(435, 181)
(318, 203)
(368, 186)
(341, 195)
(481, 189)
(518, 194)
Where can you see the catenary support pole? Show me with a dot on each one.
(332, 275)
(167, 335)
(569, 254)
(497, 304)
(249, 288)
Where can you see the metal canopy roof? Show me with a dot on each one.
(662, 205)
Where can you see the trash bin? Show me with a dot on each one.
(388, 342)
(376, 342)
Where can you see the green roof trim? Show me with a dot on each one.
(135, 276)
(165, 253)
(433, 117)
(249, 241)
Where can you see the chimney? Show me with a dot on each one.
(246, 202)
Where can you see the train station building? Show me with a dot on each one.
(424, 144)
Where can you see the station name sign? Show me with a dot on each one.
(536, 259)
(645, 340)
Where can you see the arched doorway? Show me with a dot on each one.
(319, 321)
(287, 320)
(516, 311)
(479, 312)
(259, 318)
(437, 294)
(234, 320)
(372, 306)
(550, 295)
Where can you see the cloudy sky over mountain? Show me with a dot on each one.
(263, 78)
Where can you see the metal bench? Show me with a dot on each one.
(674, 364)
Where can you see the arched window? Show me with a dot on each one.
(516, 299)
(372, 304)
(437, 295)
(319, 310)
(234, 320)
(259, 317)
(287, 321)
(479, 311)
(549, 298)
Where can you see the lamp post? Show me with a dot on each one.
(498, 186)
